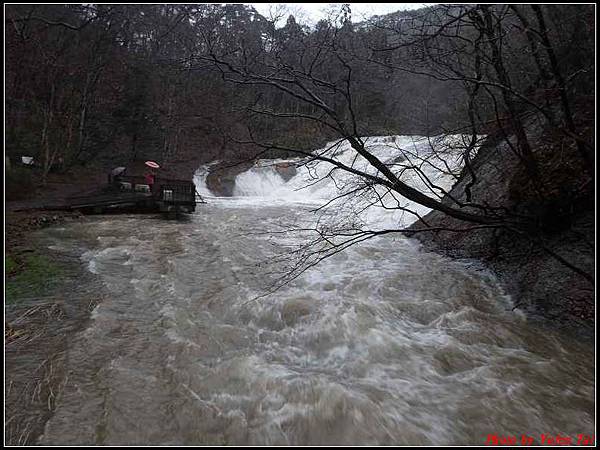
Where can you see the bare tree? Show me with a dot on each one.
(469, 45)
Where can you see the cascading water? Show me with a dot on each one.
(381, 344)
(430, 165)
(200, 180)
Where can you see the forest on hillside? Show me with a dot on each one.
(105, 84)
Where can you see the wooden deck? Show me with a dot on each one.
(172, 197)
(107, 200)
(168, 196)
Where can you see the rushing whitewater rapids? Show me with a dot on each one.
(384, 343)
(346, 194)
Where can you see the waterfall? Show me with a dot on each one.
(200, 180)
(438, 161)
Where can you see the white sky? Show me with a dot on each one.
(311, 13)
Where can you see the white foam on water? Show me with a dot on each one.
(439, 160)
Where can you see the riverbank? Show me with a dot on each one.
(549, 269)
(44, 307)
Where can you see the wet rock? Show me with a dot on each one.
(286, 170)
(221, 178)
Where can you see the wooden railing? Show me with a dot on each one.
(181, 192)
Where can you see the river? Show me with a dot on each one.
(383, 343)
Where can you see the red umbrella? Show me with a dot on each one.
(152, 164)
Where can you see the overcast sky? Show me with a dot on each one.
(311, 13)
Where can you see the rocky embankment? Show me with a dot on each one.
(549, 267)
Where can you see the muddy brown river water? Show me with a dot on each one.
(382, 344)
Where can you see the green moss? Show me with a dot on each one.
(35, 275)
(10, 265)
